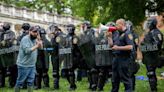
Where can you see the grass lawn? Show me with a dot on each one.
(141, 85)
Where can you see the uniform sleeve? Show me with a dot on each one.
(12, 36)
(129, 39)
(25, 45)
(115, 38)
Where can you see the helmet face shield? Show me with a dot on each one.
(84, 27)
(70, 30)
(53, 29)
(110, 24)
(129, 25)
(145, 26)
(151, 23)
(148, 24)
(26, 26)
(6, 26)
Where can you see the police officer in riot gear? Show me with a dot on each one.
(134, 66)
(87, 48)
(42, 63)
(25, 30)
(68, 52)
(2, 68)
(150, 47)
(54, 33)
(8, 38)
(103, 58)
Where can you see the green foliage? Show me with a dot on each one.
(155, 5)
(141, 85)
(53, 6)
(133, 10)
(109, 10)
(96, 11)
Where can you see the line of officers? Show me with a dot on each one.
(90, 50)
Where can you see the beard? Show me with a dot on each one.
(33, 37)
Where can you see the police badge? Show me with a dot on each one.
(130, 36)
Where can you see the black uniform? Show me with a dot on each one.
(42, 64)
(8, 59)
(69, 54)
(134, 66)
(151, 47)
(103, 59)
(121, 61)
(54, 54)
(87, 48)
(66, 55)
(2, 68)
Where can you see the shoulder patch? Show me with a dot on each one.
(58, 39)
(75, 40)
(136, 40)
(160, 36)
(130, 36)
(122, 34)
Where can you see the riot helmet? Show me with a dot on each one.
(129, 25)
(86, 25)
(25, 26)
(110, 24)
(70, 29)
(6, 26)
(42, 33)
(151, 23)
(53, 28)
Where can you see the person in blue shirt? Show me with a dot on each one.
(122, 46)
(26, 59)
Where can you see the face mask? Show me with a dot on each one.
(70, 30)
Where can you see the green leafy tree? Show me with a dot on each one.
(96, 11)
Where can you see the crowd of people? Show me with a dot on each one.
(107, 52)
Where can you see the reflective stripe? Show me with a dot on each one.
(48, 49)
